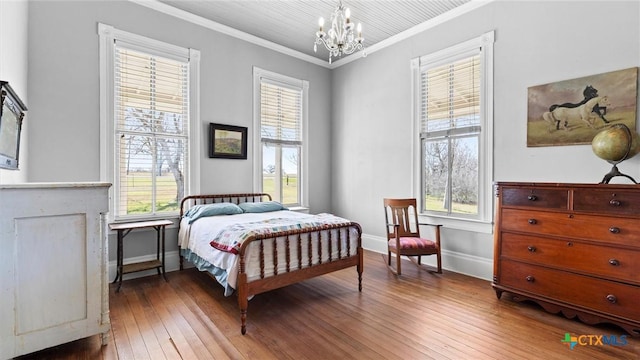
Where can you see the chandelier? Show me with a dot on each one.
(340, 39)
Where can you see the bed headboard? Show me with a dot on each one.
(192, 200)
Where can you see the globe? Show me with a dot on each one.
(615, 144)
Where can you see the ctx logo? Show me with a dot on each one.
(593, 340)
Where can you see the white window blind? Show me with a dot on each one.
(453, 114)
(280, 114)
(280, 118)
(151, 110)
(450, 97)
(450, 128)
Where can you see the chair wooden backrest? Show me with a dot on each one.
(404, 213)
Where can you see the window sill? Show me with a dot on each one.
(472, 225)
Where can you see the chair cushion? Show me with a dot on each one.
(414, 243)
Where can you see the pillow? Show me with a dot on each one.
(203, 210)
(260, 207)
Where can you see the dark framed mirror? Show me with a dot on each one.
(12, 111)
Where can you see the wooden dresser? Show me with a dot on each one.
(572, 248)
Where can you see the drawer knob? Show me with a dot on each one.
(533, 249)
(614, 262)
(614, 230)
(612, 298)
(614, 202)
(532, 198)
(531, 279)
(534, 221)
(569, 244)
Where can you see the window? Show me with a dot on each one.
(454, 120)
(147, 112)
(280, 112)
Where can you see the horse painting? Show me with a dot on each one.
(586, 111)
(589, 93)
(562, 105)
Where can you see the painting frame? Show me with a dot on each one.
(12, 111)
(573, 111)
(227, 141)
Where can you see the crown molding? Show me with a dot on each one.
(209, 24)
(199, 20)
(440, 19)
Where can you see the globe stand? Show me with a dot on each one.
(614, 170)
(613, 173)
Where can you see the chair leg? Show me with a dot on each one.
(387, 260)
(439, 259)
(398, 269)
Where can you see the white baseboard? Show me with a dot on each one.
(466, 264)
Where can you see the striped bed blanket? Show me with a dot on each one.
(230, 238)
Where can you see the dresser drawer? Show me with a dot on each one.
(603, 261)
(535, 197)
(582, 291)
(604, 229)
(607, 201)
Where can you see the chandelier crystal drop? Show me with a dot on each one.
(340, 38)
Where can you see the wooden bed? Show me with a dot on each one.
(297, 246)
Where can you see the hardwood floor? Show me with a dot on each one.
(417, 316)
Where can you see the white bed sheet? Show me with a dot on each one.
(197, 237)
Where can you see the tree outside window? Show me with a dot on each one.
(151, 132)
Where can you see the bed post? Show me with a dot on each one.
(360, 267)
(183, 202)
(243, 301)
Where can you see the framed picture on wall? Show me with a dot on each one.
(11, 115)
(227, 141)
(572, 112)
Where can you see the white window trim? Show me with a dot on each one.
(485, 156)
(107, 35)
(258, 74)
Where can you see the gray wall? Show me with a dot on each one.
(535, 43)
(360, 148)
(13, 68)
(64, 96)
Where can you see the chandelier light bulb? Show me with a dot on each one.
(321, 22)
(347, 14)
(359, 27)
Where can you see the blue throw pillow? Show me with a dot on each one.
(198, 211)
(260, 207)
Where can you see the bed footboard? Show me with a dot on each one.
(303, 259)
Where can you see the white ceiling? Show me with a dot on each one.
(292, 23)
